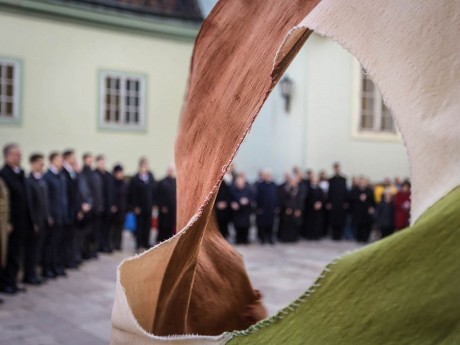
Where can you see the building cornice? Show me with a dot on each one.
(162, 27)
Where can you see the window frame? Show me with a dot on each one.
(141, 126)
(374, 134)
(17, 91)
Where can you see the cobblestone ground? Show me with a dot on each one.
(76, 310)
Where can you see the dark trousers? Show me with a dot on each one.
(53, 260)
(222, 223)
(242, 234)
(143, 225)
(386, 230)
(164, 232)
(68, 245)
(117, 233)
(337, 232)
(105, 239)
(31, 255)
(265, 233)
(16, 243)
(78, 247)
(91, 236)
(362, 232)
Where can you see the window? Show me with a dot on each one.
(375, 115)
(122, 100)
(9, 90)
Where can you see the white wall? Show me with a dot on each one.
(60, 88)
(318, 130)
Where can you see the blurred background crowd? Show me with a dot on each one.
(63, 213)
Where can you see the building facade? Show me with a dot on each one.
(105, 79)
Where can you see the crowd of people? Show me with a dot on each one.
(311, 206)
(56, 218)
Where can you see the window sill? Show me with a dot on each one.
(377, 136)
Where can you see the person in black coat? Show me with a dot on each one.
(54, 261)
(363, 210)
(38, 193)
(120, 206)
(314, 208)
(141, 199)
(222, 205)
(242, 199)
(292, 204)
(385, 214)
(20, 220)
(70, 226)
(108, 186)
(267, 206)
(166, 192)
(337, 203)
(282, 191)
(92, 239)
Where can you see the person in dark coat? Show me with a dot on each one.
(314, 207)
(402, 203)
(38, 193)
(222, 205)
(20, 223)
(293, 204)
(141, 200)
(70, 226)
(84, 215)
(54, 261)
(337, 203)
(121, 206)
(267, 205)
(306, 181)
(282, 191)
(241, 204)
(108, 185)
(385, 214)
(363, 210)
(92, 239)
(166, 195)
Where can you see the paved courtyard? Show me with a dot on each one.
(76, 310)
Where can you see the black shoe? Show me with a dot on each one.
(33, 281)
(20, 289)
(61, 273)
(9, 290)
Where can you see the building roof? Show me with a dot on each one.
(178, 9)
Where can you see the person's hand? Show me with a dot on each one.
(221, 205)
(137, 210)
(329, 206)
(317, 205)
(9, 228)
(80, 215)
(235, 205)
(297, 213)
(244, 201)
(288, 211)
(164, 209)
(371, 210)
(50, 221)
(114, 209)
(36, 228)
(85, 207)
(363, 197)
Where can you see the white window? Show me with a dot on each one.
(122, 100)
(10, 72)
(375, 115)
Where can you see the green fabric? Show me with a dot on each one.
(401, 290)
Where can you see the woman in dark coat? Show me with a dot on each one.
(314, 209)
(242, 198)
(363, 210)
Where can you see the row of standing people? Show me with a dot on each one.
(59, 217)
(310, 207)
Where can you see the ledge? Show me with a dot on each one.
(109, 19)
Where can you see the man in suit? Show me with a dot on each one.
(222, 205)
(141, 200)
(20, 223)
(94, 182)
(337, 202)
(167, 206)
(108, 185)
(40, 216)
(267, 205)
(70, 228)
(58, 205)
